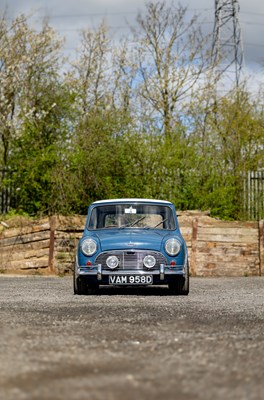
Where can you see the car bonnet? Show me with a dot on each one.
(127, 238)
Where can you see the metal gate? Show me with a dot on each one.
(254, 195)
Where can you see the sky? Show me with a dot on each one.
(70, 17)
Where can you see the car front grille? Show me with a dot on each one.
(130, 259)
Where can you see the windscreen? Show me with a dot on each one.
(142, 216)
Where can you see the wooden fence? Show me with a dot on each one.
(216, 248)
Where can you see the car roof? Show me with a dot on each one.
(131, 200)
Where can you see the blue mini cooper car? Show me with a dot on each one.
(131, 242)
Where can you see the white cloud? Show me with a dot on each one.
(70, 17)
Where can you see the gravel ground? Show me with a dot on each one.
(133, 344)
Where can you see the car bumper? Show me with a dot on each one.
(163, 275)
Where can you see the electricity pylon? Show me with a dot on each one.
(227, 49)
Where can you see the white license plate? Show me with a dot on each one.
(130, 279)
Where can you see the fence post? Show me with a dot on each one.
(261, 247)
(194, 246)
(52, 223)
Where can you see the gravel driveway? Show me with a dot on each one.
(134, 344)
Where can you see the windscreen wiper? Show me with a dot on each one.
(155, 226)
(133, 223)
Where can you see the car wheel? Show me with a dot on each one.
(79, 286)
(180, 285)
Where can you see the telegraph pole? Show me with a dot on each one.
(227, 51)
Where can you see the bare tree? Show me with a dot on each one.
(124, 77)
(89, 74)
(171, 55)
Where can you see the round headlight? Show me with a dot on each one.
(172, 247)
(149, 261)
(112, 262)
(89, 247)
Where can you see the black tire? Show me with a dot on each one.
(180, 285)
(79, 286)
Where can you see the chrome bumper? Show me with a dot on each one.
(96, 270)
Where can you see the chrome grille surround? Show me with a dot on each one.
(130, 259)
